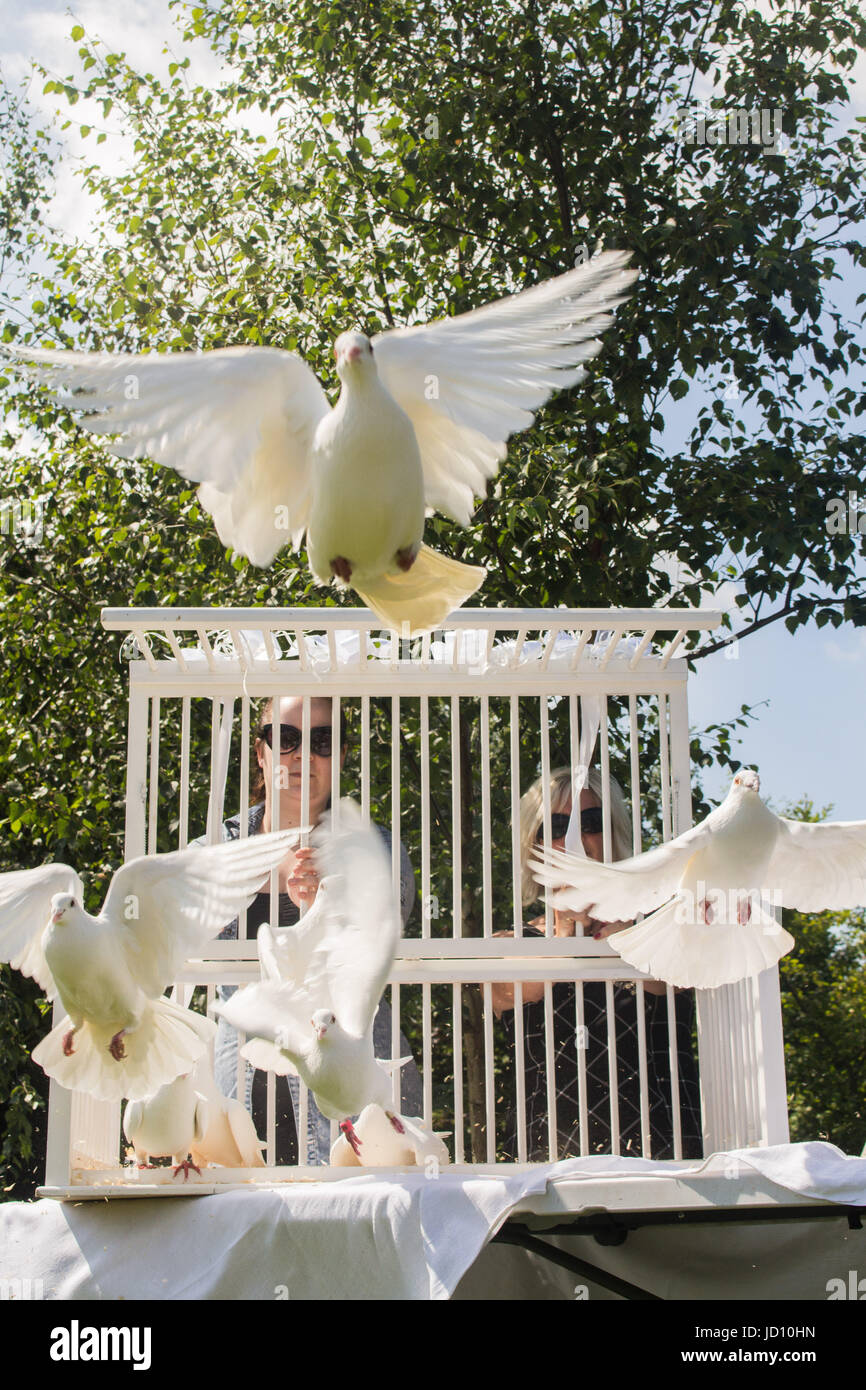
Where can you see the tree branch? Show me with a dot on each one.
(762, 622)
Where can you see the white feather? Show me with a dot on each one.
(166, 1041)
(167, 905)
(616, 892)
(671, 946)
(838, 847)
(239, 420)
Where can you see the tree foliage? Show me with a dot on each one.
(423, 160)
(823, 1007)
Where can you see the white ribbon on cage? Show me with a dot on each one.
(565, 644)
(590, 723)
(219, 773)
(471, 645)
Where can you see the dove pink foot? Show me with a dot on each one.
(116, 1048)
(68, 1049)
(186, 1165)
(347, 1128)
(744, 911)
(707, 911)
(341, 568)
(395, 1122)
(406, 557)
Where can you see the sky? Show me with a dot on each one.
(808, 738)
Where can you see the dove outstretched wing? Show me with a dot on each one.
(358, 938)
(276, 1013)
(238, 420)
(284, 952)
(616, 892)
(820, 866)
(25, 906)
(468, 383)
(168, 905)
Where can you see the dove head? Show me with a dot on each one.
(747, 780)
(61, 904)
(322, 1021)
(354, 353)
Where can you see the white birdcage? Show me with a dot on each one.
(467, 714)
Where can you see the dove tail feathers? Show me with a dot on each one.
(230, 1138)
(696, 955)
(424, 595)
(166, 1044)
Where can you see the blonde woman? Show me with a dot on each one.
(595, 1037)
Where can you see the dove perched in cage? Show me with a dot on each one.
(710, 892)
(382, 1147)
(323, 978)
(167, 1124)
(230, 1138)
(120, 1038)
(421, 425)
(190, 1119)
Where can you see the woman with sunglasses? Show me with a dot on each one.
(595, 1038)
(298, 882)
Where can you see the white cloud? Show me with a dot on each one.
(147, 33)
(849, 649)
(141, 29)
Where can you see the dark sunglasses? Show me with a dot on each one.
(591, 823)
(290, 738)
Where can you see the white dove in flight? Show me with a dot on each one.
(421, 425)
(120, 1038)
(705, 890)
(190, 1121)
(313, 1012)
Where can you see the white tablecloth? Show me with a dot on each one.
(413, 1237)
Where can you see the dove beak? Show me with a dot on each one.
(56, 917)
(351, 354)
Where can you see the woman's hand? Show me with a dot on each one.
(302, 884)
(569, 923)
(599, 930)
